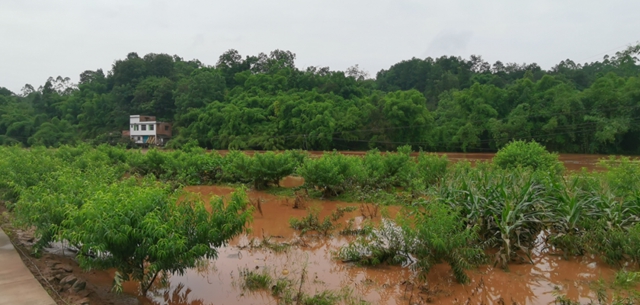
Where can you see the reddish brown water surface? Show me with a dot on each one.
(571, 161)
(217, 281)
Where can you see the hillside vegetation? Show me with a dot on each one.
(265, 102)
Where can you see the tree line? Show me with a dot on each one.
(265, 102)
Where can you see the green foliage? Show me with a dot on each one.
(430, 234)
(378, 170)
(139, 227)
(147, 232)
(431, 168)
(253, 280)
(281, 286)
(527, 154)
(439, 237)
(632, 243)
(65, 193)
(60, 194)
(265, 102)
(237, 167)
(325, 297)
(622, 175)
(21, 169)
(570, 213)
(510, 207)
(312, 222)
(270, 167)
(193, 167)
(626, 278)
(386, 243)
(332, 173)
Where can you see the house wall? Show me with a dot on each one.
(147, 126)
(164, 129)
(160, 131)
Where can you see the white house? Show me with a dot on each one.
(144, 129)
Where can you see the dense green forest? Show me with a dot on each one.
(265, 102)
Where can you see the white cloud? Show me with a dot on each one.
(42, 38)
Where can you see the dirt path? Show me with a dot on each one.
(17, 284)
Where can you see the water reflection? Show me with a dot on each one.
(213, 281)
(178, 295)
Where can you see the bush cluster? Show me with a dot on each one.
(511, 205)
(512, 209)
(140, 227)
(334, 173)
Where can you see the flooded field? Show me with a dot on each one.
(571, 161)
(218, 281)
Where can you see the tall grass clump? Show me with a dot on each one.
(254, 280)
(510, 207)
(312, 221)
(429, 234)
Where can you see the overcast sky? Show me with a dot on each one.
(42, 38)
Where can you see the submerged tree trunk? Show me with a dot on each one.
(145, 289)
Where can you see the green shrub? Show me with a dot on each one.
(527, 154)
(148, 232)
(21, 169)
(431, 233)
(236, 167)
(332, 173)
(431, 168)
(438, 236)
(49, 203)
(270, 167)
(399, 167)
(325, 297)
(150, 163)
(372, 172)
(622, 175)
(195, 167)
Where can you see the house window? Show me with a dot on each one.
(135, 127)
(131, 126)
(151, 127)
(144, 127)
(166, 127)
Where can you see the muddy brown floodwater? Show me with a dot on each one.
(571, 161)
(217, 281)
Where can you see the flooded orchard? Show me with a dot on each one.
(219, 281)
(573, 162)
